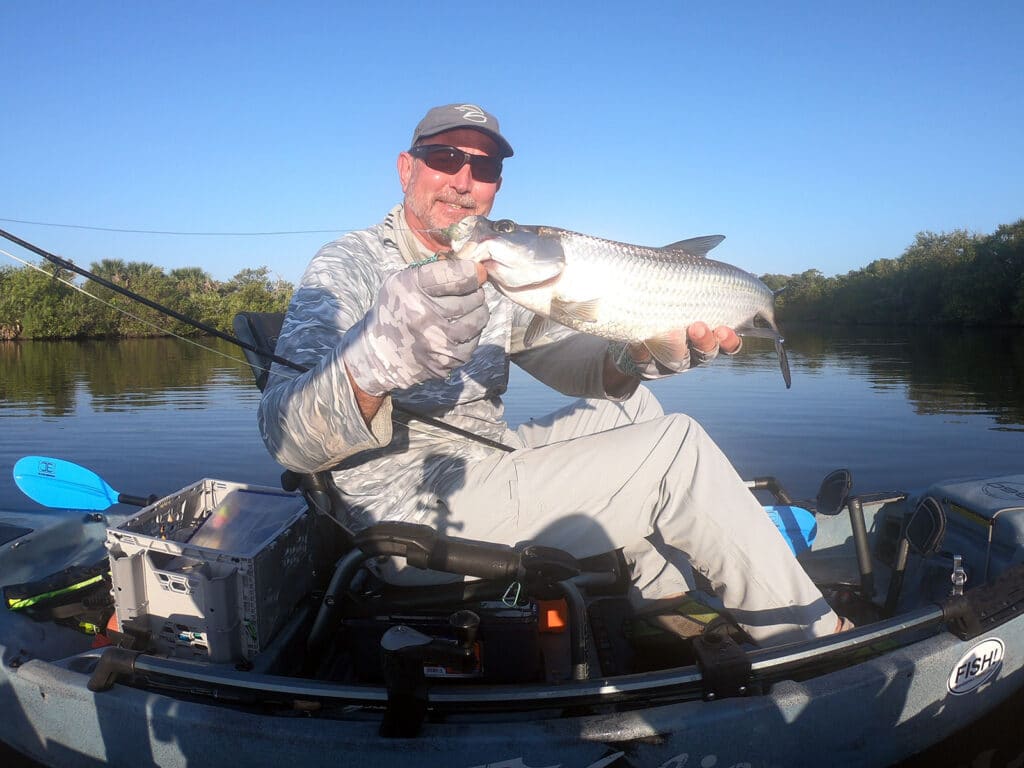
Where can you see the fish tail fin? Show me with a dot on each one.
(780, 349)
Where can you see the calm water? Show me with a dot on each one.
(900, 409)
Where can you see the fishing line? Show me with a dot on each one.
(163, 331)
(180, 233)
(172, 232)
(208, 329)
(71, 266)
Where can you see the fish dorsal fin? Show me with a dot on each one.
(696, 246)
(668, 349)
(581, 311)
(537, 329)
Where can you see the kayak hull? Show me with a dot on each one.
(873, 713)
(878, 694)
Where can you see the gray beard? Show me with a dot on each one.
(441, 235)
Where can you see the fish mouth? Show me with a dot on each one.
(460, 232)
(501, 279)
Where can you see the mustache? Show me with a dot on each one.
(467, 201)
(463, 201)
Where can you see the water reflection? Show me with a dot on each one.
(34, 381)
(943, 371)
(55, 378)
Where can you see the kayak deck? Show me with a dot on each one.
(890, 683)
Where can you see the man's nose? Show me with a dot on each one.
(462, 179)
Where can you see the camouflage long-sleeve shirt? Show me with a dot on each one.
(392, 469)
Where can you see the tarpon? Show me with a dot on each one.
(618, 291)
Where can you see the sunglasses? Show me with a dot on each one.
(449, 160)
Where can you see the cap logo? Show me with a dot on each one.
(472, 113)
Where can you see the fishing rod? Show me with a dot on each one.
(209, 329)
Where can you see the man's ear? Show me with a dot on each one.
(405, 161)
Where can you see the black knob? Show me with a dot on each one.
(466, 624)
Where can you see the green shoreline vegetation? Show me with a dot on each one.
(35, 304)
(955, 278)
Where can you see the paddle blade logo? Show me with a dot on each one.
(977, 666)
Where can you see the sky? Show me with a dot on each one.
(817, 135)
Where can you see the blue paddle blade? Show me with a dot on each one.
(62, 484)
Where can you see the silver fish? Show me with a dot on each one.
(618, 291)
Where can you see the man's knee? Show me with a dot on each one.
(683, 425)
(644, 406)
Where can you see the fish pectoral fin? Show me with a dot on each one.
(696, 246)
(669, 349)
(581, 311)
(537, 329)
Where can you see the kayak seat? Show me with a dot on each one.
(491, 568)
(259, 330)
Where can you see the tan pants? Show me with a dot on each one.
(598, 475)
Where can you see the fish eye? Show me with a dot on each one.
(505, 226)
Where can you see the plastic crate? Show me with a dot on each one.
(211, 571)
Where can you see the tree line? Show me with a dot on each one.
(954, 278)
(37, 303)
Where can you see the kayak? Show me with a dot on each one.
(242, 624)
(246, 625)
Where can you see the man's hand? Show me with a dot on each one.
(426, 323)
(677, 352)
(706, 343)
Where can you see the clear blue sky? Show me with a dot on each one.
(813, 135)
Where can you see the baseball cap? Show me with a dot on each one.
(451, 116)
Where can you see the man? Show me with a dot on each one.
(380, 318)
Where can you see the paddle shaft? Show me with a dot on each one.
(137, 501)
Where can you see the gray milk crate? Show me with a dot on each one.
(213, 570)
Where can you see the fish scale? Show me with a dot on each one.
(646, 292)
(618, 291)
